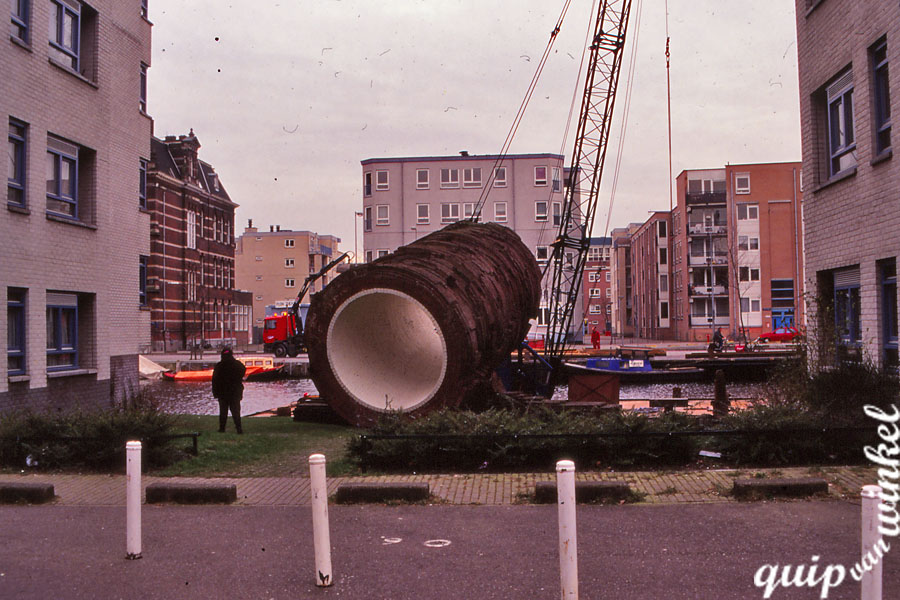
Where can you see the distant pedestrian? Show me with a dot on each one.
(228, 388)
(595, 338)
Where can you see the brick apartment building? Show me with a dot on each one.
(75, 235)
(275, 263)
(650, 277)
(622, 292)
(597, 287)
(191, 273)
(852, 183)
(736, 251)
(408, 197)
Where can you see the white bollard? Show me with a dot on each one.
(133, 500)
(568, 542)
(871, 538)
(321, 537)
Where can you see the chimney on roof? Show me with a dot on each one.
(249, 222)
(271, 229)
(463, 152)
(278, 228)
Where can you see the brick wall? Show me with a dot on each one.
(854, 219)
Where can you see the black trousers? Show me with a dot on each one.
(233, 404)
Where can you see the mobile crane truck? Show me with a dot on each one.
(283, 334)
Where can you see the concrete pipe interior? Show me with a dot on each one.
(386, 350)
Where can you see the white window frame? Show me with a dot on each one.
(741, 189)
(595, 293)
(423, 219)
(449, 178)
(500, 212)
(468, 209)
(423, 183)
(748, 211)
(542, 250)
(841, 143)
(500, 181)
(540, 180)
(541, 209)
(595, 309)
(383, 252)
(289, 283)
(289, 263)
(382, 180)
(557, 180)
(449, 212)
(469, 177)
(289, 243)
(382, 214)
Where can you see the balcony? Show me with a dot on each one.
(707, 290)
(702, 229)
(708, 259)
(704, 198)
(709, 321)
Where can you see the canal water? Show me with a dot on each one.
(197, 399)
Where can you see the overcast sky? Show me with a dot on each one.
(287, 97)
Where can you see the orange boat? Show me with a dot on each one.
(258, 368)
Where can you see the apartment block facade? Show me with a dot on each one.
(848, 94)
(408, 197)
(75, 234)
(597, 287)
(622, 291)
(191, 273)
(274, 264)
(650, 277)
(736, 251)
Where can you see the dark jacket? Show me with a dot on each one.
(228, 376)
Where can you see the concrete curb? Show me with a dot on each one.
(585, 491)
(352, 492)
(30, 493)
(749, 489)
(191, 493)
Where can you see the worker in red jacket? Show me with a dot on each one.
(228, 388)
(595, 338)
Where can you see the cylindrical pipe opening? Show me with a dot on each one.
(386, 350)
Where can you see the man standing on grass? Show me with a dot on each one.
(228, 388)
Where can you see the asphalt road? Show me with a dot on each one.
(380, 552)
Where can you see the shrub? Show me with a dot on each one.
(92, 440)
(498, 439)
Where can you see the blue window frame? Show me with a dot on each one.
(15, 331)
(882, 94)
(142, 281)
(19, 18)
(841, 138)
(888, 275)
(846, 314)
(65, 32)
(143, 101)
(62, 335)
(15, 186)
(142, 184)
(62, 180)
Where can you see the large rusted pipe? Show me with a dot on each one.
(421, 328)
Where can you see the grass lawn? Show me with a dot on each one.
(269, 447)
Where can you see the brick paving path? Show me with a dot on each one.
(655, 487)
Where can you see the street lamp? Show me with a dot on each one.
(355, 227)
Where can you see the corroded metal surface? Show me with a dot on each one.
(421, 328)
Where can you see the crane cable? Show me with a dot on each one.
(476, 212)
(626, 109)
(572, 104)
(669, 105)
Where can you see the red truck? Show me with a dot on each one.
(283, 334)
